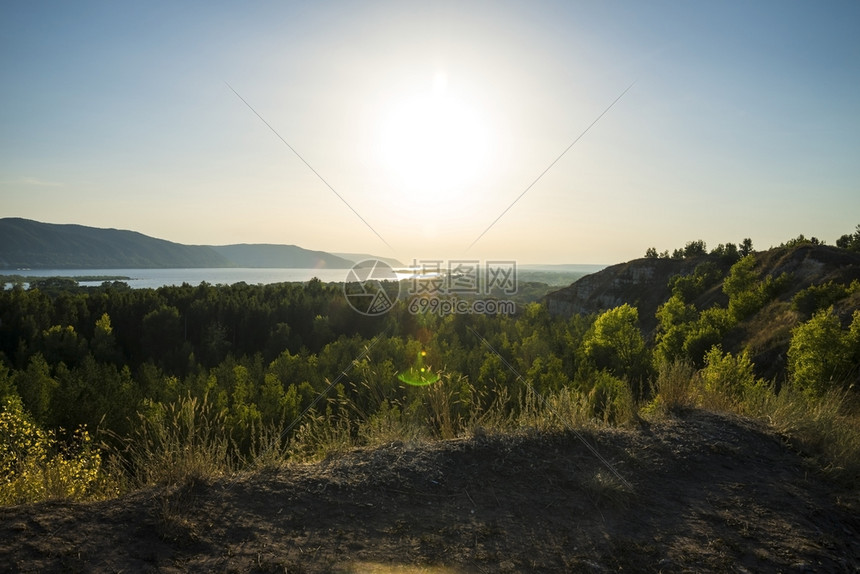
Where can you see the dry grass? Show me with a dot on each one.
(826, 428)
(606, 490)
(173, 443)
(771, 327)
(674, 388)
(452, 408)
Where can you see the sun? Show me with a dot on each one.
(434, 143)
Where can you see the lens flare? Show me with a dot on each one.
(419, 374)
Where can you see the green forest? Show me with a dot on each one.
(107, 389)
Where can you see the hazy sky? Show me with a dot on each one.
(430, 118)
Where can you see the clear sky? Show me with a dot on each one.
(430, 118)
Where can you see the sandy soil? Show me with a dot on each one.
(710, 493)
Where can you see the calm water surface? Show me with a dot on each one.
(153, 278)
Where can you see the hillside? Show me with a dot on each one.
(30, 244)
(644, 283)
(280, 256)
(710, 493)
(641, 282)
(26, 244)
(359, 257)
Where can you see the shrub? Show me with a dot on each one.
(695, 248)
(850, 241)
(816, 297)
(727, 253)
(728, 381)
(35, 466)
(688, 287)
(706, 332)
(675, 323)
(615, 343)
(746, 293)
(819, 352)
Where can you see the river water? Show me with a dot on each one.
(154, 278)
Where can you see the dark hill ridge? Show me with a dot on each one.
(31, 244)
(268, 255)
(641, 282)
(27, 244)
(765, 335)
(359, 257)
(645, 282)
(810, 264)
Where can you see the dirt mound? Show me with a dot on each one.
(709, 493)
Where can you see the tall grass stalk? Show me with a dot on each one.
(178, 441)
(826, 428)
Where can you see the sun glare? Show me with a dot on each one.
(434, 143)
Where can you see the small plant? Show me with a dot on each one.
(606, 490)
(610, 399)
(388, 424)
(319, 438)
(673, 387)
(817, 297)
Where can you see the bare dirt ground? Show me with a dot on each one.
(710, 493)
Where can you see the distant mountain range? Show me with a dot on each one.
(27, 244)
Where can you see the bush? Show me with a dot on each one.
(728, 382)
(706, 332)
(688, 287)
(695, 249)
(819, 353)
(727, 253)
(35, 466)
(816, 297)
(850, 241)
(746, 293)
(615, 343)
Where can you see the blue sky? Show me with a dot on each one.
(429, 119)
